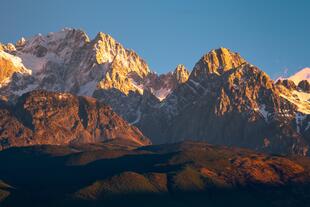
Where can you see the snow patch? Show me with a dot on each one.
(162, 93)
(300, 100)
(138, 117)
(302, 96)
(37, 64)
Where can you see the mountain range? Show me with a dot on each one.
(86, 122)
(224, 99)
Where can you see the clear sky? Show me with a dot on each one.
(272, 34)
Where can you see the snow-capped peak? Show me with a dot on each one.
(303, 74)
(68, 60)
(55, 41)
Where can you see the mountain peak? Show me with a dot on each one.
(60, 45)
(66, 34)
(109, 50)
(21, 42)
(180, 73)
(217, 61)
(125, 66)
(303, 74)
(103, 37)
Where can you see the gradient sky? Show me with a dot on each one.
(272, 34)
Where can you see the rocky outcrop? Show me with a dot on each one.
(304, 86)
(289, 84)
(42, 117)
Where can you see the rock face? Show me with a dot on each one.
(42, 117)
(289, 84)
(126, 67)
(304, 86)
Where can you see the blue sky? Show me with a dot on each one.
(272, 34)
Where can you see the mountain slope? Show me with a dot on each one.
(179, 174)
(41, 117)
